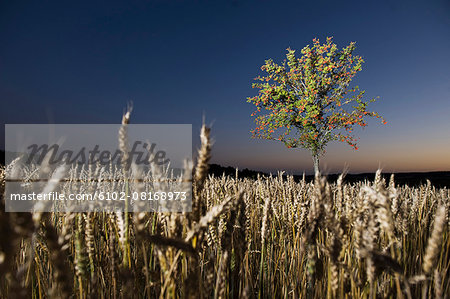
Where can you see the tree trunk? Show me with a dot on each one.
(316, 163)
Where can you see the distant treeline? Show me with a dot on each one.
(438, 178)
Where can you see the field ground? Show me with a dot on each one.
(263, 237)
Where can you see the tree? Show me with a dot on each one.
(307, 102)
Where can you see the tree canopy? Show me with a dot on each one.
(307, 101)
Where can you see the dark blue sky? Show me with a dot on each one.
(81, 62)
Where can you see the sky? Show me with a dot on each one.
(81, 62)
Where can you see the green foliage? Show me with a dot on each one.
(307, 102)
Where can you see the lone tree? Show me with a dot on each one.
(307, 102)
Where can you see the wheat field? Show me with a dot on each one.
(270, 237)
